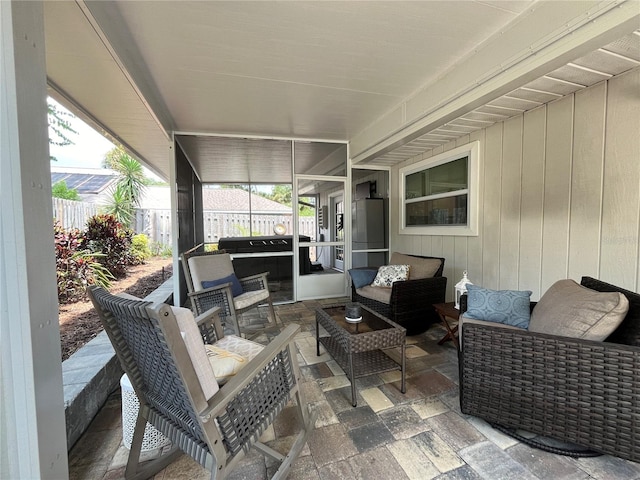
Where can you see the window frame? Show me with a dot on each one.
(472, 151)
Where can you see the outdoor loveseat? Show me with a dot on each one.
(580, 391)
(409, 303)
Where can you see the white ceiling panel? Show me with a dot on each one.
(298, 70)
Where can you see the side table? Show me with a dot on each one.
(448, 310)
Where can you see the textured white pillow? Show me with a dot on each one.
(225, 364)
(387, 274)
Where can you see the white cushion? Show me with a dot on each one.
(209, 267)
(229, 355)
(197, 353)
(388, 274)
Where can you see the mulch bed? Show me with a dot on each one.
(79, 322)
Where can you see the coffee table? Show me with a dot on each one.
(359, 347)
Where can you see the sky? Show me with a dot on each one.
(88, 149)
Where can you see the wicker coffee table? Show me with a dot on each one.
(359, 348)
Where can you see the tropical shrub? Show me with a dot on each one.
(159, 249)
(140, 248)
(75, 268)
(60, 190)
(109, 237)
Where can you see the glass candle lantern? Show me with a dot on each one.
(461, 288)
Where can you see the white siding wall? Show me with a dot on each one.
(559, 195)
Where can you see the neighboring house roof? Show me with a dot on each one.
(215, 199)
(236, 200)
(87, 181)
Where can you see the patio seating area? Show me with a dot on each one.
(421, 434)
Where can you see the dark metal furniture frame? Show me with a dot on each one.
(361, 354)
(579, 391)
(412, 301)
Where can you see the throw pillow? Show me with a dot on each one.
(387, 274)
(225, 364)
(568, 309)
(236, 288)
(419, 267)
(362, 276)
(510, 307)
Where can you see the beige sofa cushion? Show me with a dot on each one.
(380, 294)
(568, 309)
(419, 267)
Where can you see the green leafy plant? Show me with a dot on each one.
(60, 190)
(140, 248)
(76, 267)
(160, 250)
(129, 186)
(119, 205)
(106, 235)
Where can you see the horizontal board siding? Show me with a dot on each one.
(559, 195)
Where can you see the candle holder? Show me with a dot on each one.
(352, 312)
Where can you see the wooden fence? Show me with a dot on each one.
(156, 224)
(72, 214)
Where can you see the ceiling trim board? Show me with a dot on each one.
(62, 97)
(258, 137)
(613, 21)
(118, 44)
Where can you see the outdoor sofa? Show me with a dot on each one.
(580, 391)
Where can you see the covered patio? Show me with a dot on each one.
(324, 96)
(419, 435)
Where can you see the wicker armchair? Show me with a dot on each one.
(217, 430)
(579, 391)
(207, 266)
(411, 302)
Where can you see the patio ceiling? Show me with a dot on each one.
(392, 78)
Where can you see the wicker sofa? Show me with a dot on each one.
(574, 390)
(411, 302)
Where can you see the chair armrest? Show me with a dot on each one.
(249, 373)
(210, 325)
(218, 296)
(253, 277)
(254, 282)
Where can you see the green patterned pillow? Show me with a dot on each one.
(387, 274)
(503, 306)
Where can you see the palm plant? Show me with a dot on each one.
(129, 187)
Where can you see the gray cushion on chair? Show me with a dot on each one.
(571, 310)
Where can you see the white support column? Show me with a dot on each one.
(32, 423)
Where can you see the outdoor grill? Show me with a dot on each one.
(279, 268)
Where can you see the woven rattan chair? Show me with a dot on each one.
(574, 390)
(411, 302)
(217, 430)
(212, 266)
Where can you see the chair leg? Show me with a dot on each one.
(134, 470)
(272, 312)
